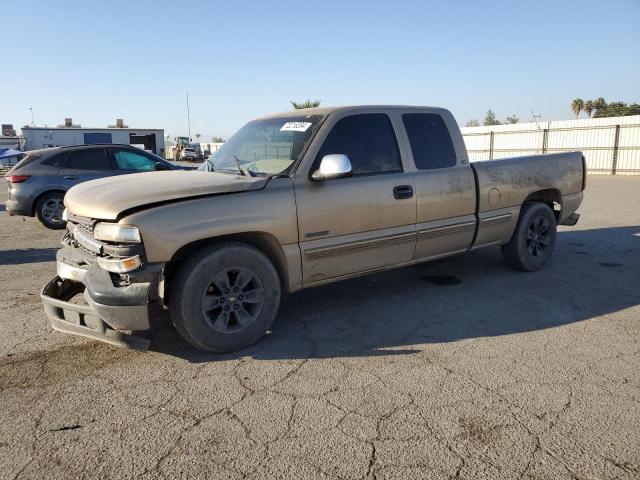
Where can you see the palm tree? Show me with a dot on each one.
(577, 106)
(306, 104)
(588, 108)
(599, 104)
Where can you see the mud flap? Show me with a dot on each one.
(571, 220)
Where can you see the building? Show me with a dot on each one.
(149, 139)
(10, 142)
(8, 138)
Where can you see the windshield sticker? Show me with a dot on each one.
(295, 127)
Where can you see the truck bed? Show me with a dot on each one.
(503, 185)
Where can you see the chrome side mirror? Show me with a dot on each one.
(332, 166)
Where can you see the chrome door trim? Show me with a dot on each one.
(446, 230)
(349, 247)
(496, 219)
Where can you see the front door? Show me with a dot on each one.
(362, 222)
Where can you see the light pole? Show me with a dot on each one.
(188, 120)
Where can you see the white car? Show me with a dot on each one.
(188, 153)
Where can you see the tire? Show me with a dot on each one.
(206, 310)
(534, 239)
(49, 208)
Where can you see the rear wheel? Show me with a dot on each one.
(49, 210)
(225, 297)
(534, 239)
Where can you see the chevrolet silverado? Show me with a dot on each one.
(295, 200)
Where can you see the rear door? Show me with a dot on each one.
(445, 187)
(84, 164)
(362, 222)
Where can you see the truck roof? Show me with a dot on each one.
(351, 109)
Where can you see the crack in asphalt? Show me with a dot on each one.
(540, 382)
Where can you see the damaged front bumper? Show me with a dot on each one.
(109, 310)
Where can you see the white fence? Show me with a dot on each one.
(610, 145)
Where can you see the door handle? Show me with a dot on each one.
(71, 177)
(402, 191)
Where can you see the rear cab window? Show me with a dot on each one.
(430, 141)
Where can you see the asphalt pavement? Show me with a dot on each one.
(457, 369)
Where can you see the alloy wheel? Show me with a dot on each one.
(538, 237)
(52, 210)
(233, 300)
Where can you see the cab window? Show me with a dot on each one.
(430, 141)
(368, 140)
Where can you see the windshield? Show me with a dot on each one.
(265, 147)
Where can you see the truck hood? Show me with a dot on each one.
(106, 198)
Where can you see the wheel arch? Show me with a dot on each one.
(42, 194)
(549, 196)
(262, 241)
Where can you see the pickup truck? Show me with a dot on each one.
(295, 200)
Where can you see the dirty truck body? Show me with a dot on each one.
(295, 200)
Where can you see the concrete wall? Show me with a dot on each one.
(610, 145)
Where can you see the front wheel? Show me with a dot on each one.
(534, 239)
(49, 210)
(225, 297)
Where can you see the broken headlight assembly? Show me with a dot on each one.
(114, 232)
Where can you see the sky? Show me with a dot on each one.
(98, 61)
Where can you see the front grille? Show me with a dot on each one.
(87, 227)
(84, 223)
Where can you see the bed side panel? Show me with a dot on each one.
(505, 184)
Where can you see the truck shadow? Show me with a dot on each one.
(400, 312)
(21, 256)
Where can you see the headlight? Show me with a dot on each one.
(65, 215)
(119, 265)
(114, 232)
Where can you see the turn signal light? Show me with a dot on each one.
(16, 178)
(119, 265)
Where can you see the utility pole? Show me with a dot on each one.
(33, 124)
(188, 120)
(537, 118)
